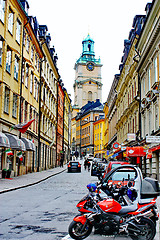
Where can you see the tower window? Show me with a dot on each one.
(89, 47)
(90, 96)
(89, 82)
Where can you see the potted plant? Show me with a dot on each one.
(4, 171)
(8, 173)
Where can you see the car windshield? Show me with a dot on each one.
(74, 163)
(123, 175)
(114, 165)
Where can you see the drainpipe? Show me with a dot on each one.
(20, 110)
(63, 124)
(56, 124)
(39, 118)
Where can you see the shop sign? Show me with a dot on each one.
(150, 139)
(131, 136)
(135, 152)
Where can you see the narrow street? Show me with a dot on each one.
(45, 210)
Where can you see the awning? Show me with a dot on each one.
(4, 141)
(29, 144)
(15, 142)
(154, 148)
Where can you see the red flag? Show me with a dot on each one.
(22, 127)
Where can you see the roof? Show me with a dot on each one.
(91, 106)
(88, 38)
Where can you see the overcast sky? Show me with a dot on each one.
(70, 21)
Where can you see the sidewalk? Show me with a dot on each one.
(29, 179)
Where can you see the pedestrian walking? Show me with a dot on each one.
(85, 164)
(61, 160)
(89, 164)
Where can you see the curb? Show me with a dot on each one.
(31, 184)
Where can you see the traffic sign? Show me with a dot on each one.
(116, 145)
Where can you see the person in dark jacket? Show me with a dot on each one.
(61, 160)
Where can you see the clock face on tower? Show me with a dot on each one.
(90, 66)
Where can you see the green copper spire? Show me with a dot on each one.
(88, 53)
(88, 46)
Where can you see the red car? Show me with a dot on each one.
(113, 164)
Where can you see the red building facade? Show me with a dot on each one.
(60, 120)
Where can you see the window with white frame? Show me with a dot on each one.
(23, 71)
(18, 31)
(97, 136)
(156, 117)
(27, 44)
(90, 96)
(37, 91)
(32, 53)
(14, 107)
(143, 87)
(100, 136)
(1, 51)
(35, 87)
(27, 75)
(150, 121)
(16, 67)
(8, 60)
(10, 21)
(31, 83)
(155, 70)
(149, 78)
(2, 10)
(35, 60)
(6, 100)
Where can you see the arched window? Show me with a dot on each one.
(90, 96)
(89, 47)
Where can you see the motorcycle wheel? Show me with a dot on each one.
(149, 230)
(75, 230)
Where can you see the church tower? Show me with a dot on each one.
(88, 81)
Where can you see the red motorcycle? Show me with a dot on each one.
(110, 217)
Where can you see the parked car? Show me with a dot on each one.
(74, 166)
(112, 165)
(98, 167)
(89, 157)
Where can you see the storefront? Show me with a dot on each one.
(14, 153)
(4, 144)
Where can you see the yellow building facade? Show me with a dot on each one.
(48, 121)
(99, 138)
(105, 129)
(127, 89)
(19, 84)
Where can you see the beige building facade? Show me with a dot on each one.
(148, 69)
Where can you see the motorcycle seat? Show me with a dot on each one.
(127, 209)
